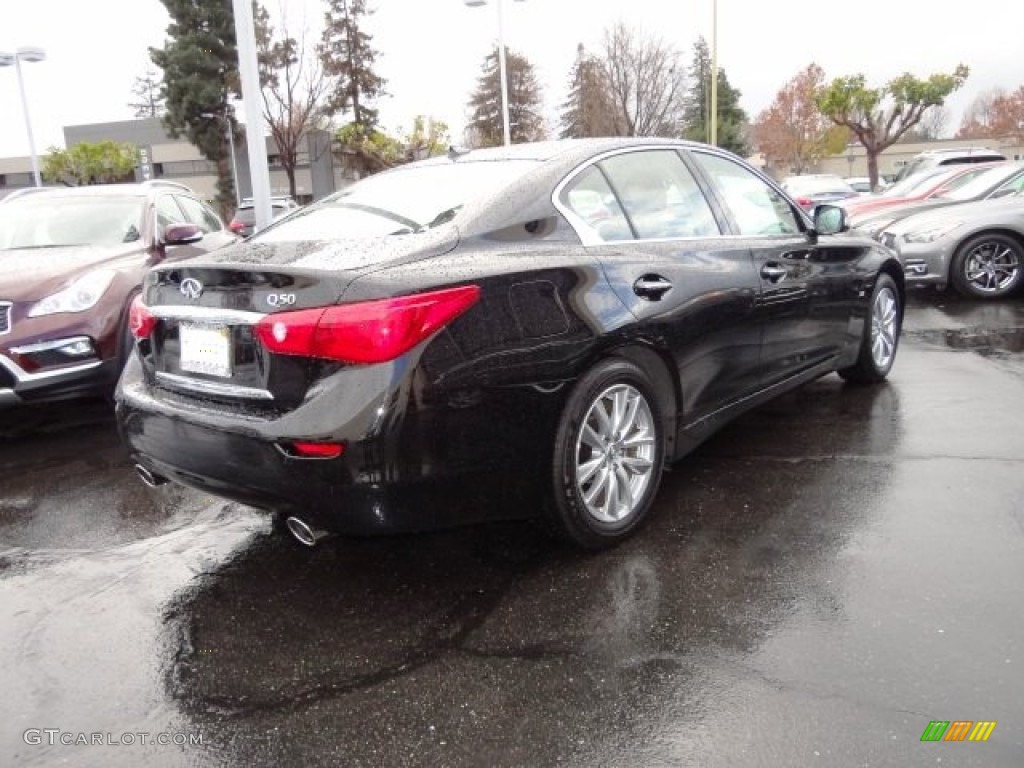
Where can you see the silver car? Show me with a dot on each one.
(977, 247)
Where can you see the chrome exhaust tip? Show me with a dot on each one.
(149, 478)
(305, 535)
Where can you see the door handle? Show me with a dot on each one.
(651, 287)
(773, 273)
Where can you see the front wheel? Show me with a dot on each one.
(609, 454)
(988, 266)
(881, 335)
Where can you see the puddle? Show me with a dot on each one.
(984, 341)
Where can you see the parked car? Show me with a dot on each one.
(813, 189)
(953, 156)
(862, 185)
(244, 221)
(71, 259)
(492, 333)
(977, 247)
(1000, 180)
(934, 182)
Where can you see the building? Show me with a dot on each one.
(317, 173)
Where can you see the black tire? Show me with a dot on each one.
(987, 266)
(881, 335)
(626, 475)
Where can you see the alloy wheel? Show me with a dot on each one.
(615, 453)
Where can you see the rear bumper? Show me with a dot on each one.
(425, 471)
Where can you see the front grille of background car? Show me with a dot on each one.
(5, 317)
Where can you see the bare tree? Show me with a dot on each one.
(980, 118)
(149, 101)
(294, 89)
(646, 80)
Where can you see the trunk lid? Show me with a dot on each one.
(204, 343)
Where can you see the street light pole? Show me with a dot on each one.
(506, 128)
(30, 54)
(714, 74)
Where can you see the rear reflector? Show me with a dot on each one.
(140, 322)
(364, 332)
(308, 450)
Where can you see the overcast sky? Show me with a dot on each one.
(431, 50)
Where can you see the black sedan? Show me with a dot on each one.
(534, 330)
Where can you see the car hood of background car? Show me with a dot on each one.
(28, 274)
(982, 211)
(333, 255)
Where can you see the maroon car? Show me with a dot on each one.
(71, 261)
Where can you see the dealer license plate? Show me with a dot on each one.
(205, 349)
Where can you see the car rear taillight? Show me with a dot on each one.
(803, 202)
(367, 331)
(236, 226)
(140, 321)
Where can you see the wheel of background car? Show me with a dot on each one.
(987, 266)
(609, 455)
(881, 335)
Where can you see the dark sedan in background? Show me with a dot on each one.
(460, 337)
(70, 262)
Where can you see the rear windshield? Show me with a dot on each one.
(48, 221)
(402, 201)
(247, 214)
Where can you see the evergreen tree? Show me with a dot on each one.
(524, 102)
(732, 120)
(348, 56)
(200, 73)
(589, 110)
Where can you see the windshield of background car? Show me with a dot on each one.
(800, 186)
(46, 221)
(981, 184)
(403, 201)
(919, 182)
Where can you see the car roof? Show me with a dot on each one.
(107, 190)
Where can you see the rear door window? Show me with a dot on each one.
(659, 195)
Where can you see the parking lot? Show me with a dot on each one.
(817, 583)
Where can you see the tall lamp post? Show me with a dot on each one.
(229, 134)
(502, 66)
(30, 54)
(713, 132)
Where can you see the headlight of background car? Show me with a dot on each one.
(932, 233)
(81, 295)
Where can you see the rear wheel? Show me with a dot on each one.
(609, 455)
(881, 335)
(988, 266)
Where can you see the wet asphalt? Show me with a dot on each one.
(816, 584)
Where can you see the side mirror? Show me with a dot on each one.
(182, 234)
(829, 219)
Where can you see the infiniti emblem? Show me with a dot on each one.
(191, 288)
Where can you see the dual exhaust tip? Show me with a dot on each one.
(297, 527)
(304, 533)
(151, 479)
